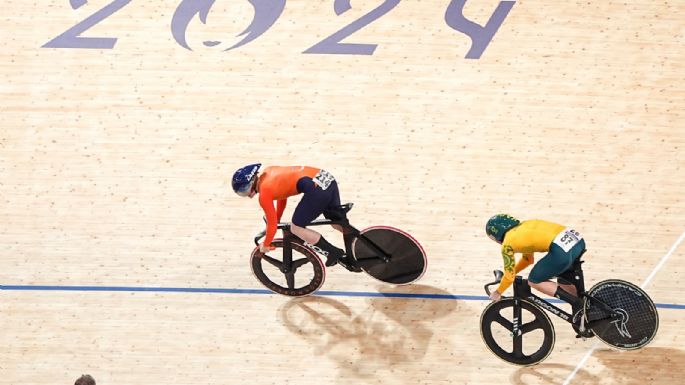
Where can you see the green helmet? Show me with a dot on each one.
(498, 225)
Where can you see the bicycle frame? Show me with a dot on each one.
(522, 290)
(575, 277)
(350, 233)
(592, 316)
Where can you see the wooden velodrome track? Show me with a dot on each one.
(115, 166)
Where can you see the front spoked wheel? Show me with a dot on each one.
(632, 321)
(407, 261)
(304, 275)
(525, 338)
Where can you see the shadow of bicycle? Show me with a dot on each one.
(650, 365)
(386, 332)
(556, 374)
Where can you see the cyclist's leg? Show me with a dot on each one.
(566, 285)
(568, 288)
(314, 201)
(555, 263)
(576, 306)
(572, 279)
(334, 202)
(551, 265)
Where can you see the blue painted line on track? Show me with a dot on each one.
(264, 291)
(134, 289)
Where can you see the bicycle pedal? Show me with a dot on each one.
(344, 262)
(585, 335)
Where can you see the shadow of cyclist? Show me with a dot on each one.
(650, 365)
(364, 340)
(415, 315)
(323, 321)
(552, 374)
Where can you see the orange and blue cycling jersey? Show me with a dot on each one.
(277, 183)
(536, 235)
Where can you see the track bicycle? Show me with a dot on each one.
(518, 330)
(295, 269)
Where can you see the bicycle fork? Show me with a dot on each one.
(287, 251)
(516, 323)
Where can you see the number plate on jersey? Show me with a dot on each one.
(323, 179)
(567, 239)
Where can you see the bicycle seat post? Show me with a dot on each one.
(578, 278)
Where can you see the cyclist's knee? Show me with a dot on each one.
(296, 226)
(297, 230)
(303, 232)
(299, 227)
(534, 284)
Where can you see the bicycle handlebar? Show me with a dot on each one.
(261, 234)
(498, 278)
(258, 237)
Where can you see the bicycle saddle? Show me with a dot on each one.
(578, 262)
(338, 212)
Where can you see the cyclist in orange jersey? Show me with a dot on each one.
(275, 183)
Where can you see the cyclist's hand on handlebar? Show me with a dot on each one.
(264, 249)
(495, 296)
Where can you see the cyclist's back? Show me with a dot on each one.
(534, 235)
(280, 182)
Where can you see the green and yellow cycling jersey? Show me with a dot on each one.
(528, 237)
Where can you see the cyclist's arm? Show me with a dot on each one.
(509, 270)
(524, 262)
(280, 208)
(267, 203)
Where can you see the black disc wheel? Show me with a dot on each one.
(632, 321)
(517, 331)
(406, 260)
(299, 274)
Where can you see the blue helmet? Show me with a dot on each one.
(244, 178)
